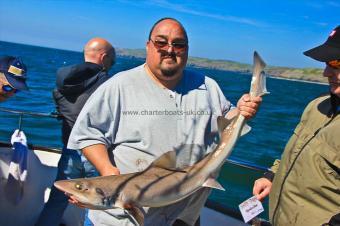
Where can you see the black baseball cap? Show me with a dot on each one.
(15, 71)
(328, 51)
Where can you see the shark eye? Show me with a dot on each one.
(79, 186)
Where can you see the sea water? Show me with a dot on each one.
(271, 128)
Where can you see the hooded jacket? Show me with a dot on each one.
(74, 85)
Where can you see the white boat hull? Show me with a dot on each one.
(42, 169)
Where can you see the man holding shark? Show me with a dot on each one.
(147, 111)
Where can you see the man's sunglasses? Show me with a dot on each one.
(334, 64)
(8, 88)
(178, 47)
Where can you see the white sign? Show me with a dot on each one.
(250, 208)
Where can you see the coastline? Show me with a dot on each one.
(310, 75)
(248, 72)
(297, 80)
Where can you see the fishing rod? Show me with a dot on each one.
(31, 113)
(38, 114)
(246, 164)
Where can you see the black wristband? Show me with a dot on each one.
(335, 220)
(269, 175)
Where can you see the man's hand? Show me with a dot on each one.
(97, 154)
(248, 106)
(262, 188)
(74, 201)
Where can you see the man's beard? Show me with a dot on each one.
(169, 72)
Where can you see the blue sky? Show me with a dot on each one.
(279, 30)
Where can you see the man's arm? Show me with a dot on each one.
(263, 186)
(98, 155)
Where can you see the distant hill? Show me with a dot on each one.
(306, 74)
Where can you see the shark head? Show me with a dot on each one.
(87, 192)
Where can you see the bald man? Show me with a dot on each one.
(75, 84)
(99, 51)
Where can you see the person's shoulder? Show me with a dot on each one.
(322, 98)
(67, 68)
(321, 103)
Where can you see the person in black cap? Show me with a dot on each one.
(13, 75)
(304, 185)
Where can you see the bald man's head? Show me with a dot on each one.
(101, 52)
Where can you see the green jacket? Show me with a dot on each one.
(306, 187)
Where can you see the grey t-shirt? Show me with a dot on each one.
(139, 120)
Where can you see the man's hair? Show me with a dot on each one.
(168, 18)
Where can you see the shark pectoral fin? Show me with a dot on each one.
(134, 211)
(246, 128)
(212, 183)
(222, 123)
(167, 160)
(137, 214)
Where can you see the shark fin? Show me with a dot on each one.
(246, 128)
(258, 81)
(222, 123)
(137, 214)
(167, 160)
(212, 183)
(134, 211)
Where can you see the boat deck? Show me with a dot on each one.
(210, 217)
(42, 170)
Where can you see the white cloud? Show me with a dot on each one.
(183, 9)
